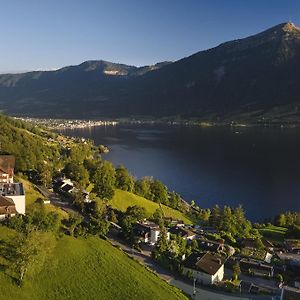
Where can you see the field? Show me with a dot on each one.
(88, 268)
(273, 233)
(123, 199)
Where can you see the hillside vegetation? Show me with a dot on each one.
(84, 269)
(122, 200)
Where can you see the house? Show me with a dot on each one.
(297, 282)
(291, 259)
(186, 234)
(16, 192)
(292, 246)
(256, 267)
(247, 287)
(206, 230)
(146, 232)
(290, 293)
(206, 268)
(7, 207)
(207, 245)
(7, 165)
(252, 243)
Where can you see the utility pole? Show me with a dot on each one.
(194, 291)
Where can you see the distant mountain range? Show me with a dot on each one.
(254, 78)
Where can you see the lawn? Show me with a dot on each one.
(274, 233)
(259, 254)
(31, 193)
(88, 268)
(123, 199)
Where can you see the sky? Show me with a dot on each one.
(49, 34)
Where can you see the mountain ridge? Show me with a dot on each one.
(254, 76)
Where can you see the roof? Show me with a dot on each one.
(7, 164)
(251, 243)
(181, 231)
(251, 263)
(290, 293)
(7, 206)
(209, 245)
(142, 229)
(206, 262)
(11, 189)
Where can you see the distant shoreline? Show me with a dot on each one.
(63, 124)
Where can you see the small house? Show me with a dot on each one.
(256, 267)
(186, 234)
(206, 268)
(7, 207)
(7, 165)
(213, 246)
(146, 232)
(290, 293)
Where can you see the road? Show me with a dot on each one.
(144, 257)
(55, 199)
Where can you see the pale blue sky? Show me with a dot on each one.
(47, 34)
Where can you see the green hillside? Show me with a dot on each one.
(84, 269)
(123, 199)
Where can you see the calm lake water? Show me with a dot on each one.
(258, 168)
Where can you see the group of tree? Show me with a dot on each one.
(155, 190)
(231, 221)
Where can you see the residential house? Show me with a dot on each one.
(290, 293)
(213, 246)
(206, 268)
(206, 230)
(292, 245)
(66, 187)
(256, 267)
(7, 207)
(7, 165)
(146, 232)
(186, 234)
(291, 259)
(252, 243)
(297, 282)
(14, 191)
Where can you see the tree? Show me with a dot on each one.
(142, 187)
(159, 192)
(280, 220)
(73, 221)
(124, 180)
(25, 253)
(131, 216)
(236, 271)
(77, 172)
(104, 180)
(78, 200)
(174, 200)
(98, 226)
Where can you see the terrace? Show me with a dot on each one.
(11, 189)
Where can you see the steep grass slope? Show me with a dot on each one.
(85, 269)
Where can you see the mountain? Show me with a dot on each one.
(247, 79)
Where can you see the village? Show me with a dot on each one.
(252, 269)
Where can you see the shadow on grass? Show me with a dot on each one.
(7, 251)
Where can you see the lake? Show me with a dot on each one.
(256, 167)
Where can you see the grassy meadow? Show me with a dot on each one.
(123, 199)
(82, 268)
